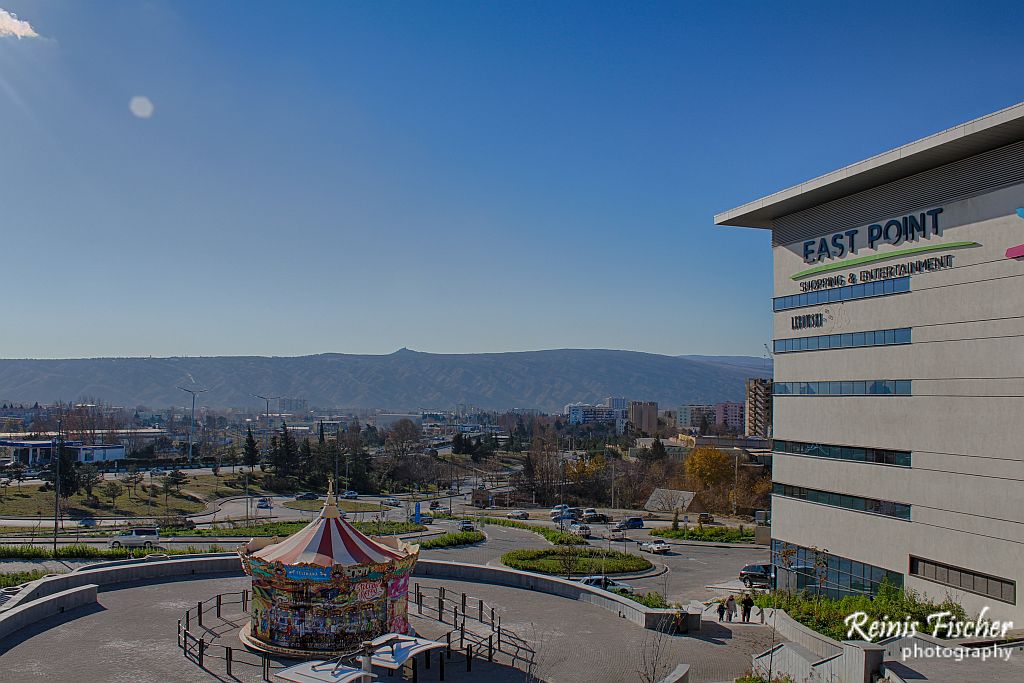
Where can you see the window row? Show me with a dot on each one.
(870, 387)
(848, 293)
(1003, 590)
(847, 340)
(824, 450)
(831, 575)
(841, 500)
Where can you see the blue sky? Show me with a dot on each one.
(448, 176)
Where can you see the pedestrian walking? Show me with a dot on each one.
(721, 611)
(730, 609)
(748, 604)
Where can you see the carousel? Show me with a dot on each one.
(327, 588)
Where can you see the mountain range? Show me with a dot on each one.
(403, 380)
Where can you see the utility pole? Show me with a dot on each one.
(268, 399)
(56, 450)
(735, 481)
(192, 422)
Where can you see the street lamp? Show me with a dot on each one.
(192, 422)
(268, 399)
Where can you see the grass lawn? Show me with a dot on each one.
(31, 501)
(17, 578)
(346, 505)
(387, 528)
(209, 487)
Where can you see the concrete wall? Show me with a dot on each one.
(573, 590)
(103, 576)
(13, 620)
(792, 630)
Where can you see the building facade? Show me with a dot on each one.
(691, 417)
(759, 408)
(730, 415)
(899, 348)
(585, 413)
(644, 416)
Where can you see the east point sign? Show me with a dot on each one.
(909, 228)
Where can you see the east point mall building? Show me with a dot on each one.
(899, 368)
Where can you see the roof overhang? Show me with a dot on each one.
(974, 137)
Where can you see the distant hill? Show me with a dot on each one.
(404, 380)
(756, 366)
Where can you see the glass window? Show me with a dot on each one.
(902, 387)
(858, 339)
(890, 337)
(858, 292)
(887, 286)
(902, 335)
(847, 340)
(847, 389)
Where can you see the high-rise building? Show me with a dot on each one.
(616, 403)
(899, 340)
(585, 413)
(293, 405)
(759, 407)
(695, 416)
(644, 416)
(730, 415)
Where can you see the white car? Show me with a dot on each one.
(392, 502)
(518, 514)
(606, 583)
(139, 537)
(659, 547)
(581, 530)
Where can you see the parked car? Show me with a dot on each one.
(156, 471)
(559, 511)
(757, 574)
(705, 518)
(659, 546)
(308, 495)
(564, 517)
(466, 525)
(615, 535)
(391, 501)
(605, 583)
(265, 504)
(518, 514)
(596, 518)
(424, 518)
(139, 537)
(630, 523)
(581, 530)
(351, 495)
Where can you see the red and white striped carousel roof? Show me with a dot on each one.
(326, 542)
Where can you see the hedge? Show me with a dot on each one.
(714, 534)
(17, 578)
(452, 539)
(553, 535)
(385, 528)
(82, 551)
(589, 561)
(826, 615)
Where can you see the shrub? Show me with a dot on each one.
(453, 539)
(17, 578)
(826, 615)
(553, 535)
(714, 534)
(652, 599)
(589, 561)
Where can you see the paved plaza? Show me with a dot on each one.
(131, 636)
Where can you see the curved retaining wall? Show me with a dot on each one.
(13, 620)
(60, 592)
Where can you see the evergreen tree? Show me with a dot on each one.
(250, 451)
(285, 455)
(320, 433)
(658, 451)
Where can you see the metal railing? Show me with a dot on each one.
(455, 608)
(198, 631)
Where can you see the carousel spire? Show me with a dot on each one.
(330, 510)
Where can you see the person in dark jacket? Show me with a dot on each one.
(747, 603)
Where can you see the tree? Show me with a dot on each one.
(17, 471)
(112, 489)
(658, 451)
(250, 451)
(131, 480)
(285, 455)
(176, 479)
(569, 558)
(89, 478)
(708, 467)
(403, 437)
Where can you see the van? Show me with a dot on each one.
(139, 537)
